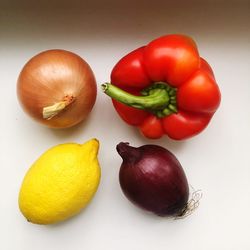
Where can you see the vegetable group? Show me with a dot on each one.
(57, 88)
(153, 179)
(165, 88)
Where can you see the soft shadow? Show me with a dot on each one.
(164, 141)
(72, 131)
(150, 216)
(112, 24)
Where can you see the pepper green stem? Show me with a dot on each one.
(159, 98)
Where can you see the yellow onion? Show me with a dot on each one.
(57, 88)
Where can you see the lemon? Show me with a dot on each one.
(60, 183)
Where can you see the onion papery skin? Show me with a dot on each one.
(49, 78)
(152, 178)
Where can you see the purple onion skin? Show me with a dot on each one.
(152, 178)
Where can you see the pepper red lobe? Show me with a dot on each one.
(129, 74)
(199, 94)
(206, 67)
(172, 59)
(152, 127)
(130, 115)
(130, 71)
(184, 125)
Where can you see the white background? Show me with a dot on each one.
(216, 161)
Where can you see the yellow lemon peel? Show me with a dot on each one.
(60, 183)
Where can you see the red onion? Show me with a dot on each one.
(152, 178)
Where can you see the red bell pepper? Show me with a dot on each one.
(165, 87)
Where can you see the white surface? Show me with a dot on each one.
(216, 161)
